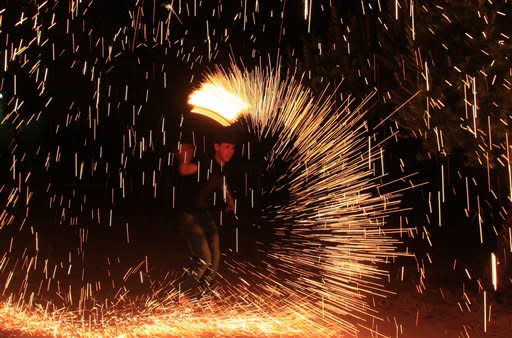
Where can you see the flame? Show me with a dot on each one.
(217, 103)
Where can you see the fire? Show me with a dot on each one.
(217, 103)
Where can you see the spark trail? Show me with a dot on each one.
(332, 239)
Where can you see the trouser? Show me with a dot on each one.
(202, 237)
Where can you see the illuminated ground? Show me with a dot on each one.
(427, 315)
(442, 310)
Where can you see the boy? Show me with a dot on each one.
(203, 191)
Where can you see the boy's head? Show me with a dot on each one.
(224, 152)
(224, 144)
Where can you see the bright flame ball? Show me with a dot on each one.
(217, 103)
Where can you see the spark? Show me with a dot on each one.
(494, 272)
(485, 311)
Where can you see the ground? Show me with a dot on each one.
(450, 305)
(445, 302)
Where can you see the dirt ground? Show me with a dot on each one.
(440, 312)
(453, 306)
(445, 302)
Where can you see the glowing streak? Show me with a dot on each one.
(475, 111)
(510, 239)
(509, 164)
(426, 76)
(217, 103)
(494, 272)
(413, 29)
(485, 311)
(479, 216)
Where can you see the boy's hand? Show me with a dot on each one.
(230, 202)
(185, 155)
(186, 152)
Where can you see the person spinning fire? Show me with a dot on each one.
(203, 196)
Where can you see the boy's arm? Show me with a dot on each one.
(230, 201)
(185, 155)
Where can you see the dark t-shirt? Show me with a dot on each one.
(205, 189)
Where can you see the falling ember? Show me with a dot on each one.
(494, 272)
(217, 103)
(485, 311)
